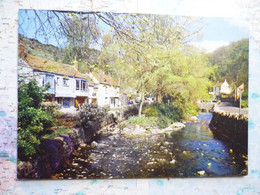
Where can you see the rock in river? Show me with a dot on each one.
(94, 144)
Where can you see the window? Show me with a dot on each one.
(84, 85)
(77, 84)
(58, 80)
(65, 82)
(66, 102)
(42, 82)
(49, 80)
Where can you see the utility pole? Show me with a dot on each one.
(240, 91)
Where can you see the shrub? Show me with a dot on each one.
(131, 111)
(168, 110)
(151, 111)
(163, 121)
(165, 113)
(142, 121)
(244, 102)
(52, 108)
(57, 133)
(33, 121)
(90, 117)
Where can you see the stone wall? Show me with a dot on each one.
(231, 128)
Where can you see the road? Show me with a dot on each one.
(228, 107)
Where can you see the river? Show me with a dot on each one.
(191, 152)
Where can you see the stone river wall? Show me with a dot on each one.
(231, 128)
(55, 152)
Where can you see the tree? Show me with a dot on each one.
(231, 62)
(160, 63)
(33, 121)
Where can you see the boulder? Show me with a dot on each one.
(94, 144)
(193, 119)
(25, 170)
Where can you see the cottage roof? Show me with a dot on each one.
(218, 84)
(50, 66)
(104, 79)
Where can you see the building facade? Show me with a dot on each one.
(66, 85)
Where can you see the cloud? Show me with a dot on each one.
(210, 46)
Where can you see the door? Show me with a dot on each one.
(66, 102)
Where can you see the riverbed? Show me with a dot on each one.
(190, 152)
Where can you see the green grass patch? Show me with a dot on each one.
(57, 132)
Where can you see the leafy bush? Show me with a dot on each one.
(57, 132)
(165, 113)
(131, 111)
(163, 121)
(52, 108)
(244, 102)
(191, 110)
(90, 117)
(142, 121)
(151, 111)
(33, 121)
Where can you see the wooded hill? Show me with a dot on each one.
(231, 63)
(63, 55)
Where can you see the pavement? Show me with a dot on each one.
(228, 107)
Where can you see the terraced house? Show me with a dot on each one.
(66, 85)
(106, 89)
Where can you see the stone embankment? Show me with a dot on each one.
(231, 128)
(55, 152)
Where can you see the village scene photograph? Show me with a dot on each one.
(105, 95)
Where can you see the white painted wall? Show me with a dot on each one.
(25, 72)
(67, 89)
(80, 92)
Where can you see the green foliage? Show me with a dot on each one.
(57, 133)
(231, 63)
(244, 102)
(190, 110)
(131, 111)
(151, 111)
(165, 113)
(160, 64)
(141, 121)
(163, 122)
(33, 121)
(90, 117)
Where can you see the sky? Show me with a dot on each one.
(219, 32)
(216, 32)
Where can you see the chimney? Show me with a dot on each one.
(89, 70)
(75, 63)
(21, 49)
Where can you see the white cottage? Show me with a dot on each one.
(67, 86)
(221, 90)
(105, 88)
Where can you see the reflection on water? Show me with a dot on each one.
(191, 152)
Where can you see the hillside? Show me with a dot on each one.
(50, 52)
(231, 62)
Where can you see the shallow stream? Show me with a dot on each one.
(191, 152)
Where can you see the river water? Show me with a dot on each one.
(191, 152)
